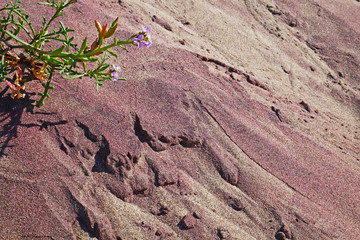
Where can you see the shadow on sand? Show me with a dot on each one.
(11, 113)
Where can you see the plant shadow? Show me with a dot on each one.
(11, 111)
(11, 114)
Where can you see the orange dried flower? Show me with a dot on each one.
(103, 31)
(15, 90)
(38, 70)
(16, 87)
(11, 58)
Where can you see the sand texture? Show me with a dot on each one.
(240, 122)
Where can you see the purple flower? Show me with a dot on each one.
(114, 72)
(115, 76)
(139, 38)
(144, 38)
(116, 68)
(146, 29)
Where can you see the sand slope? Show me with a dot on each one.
(240, 122)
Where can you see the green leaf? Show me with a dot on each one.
(57, 51)
(83, 58)
(44, 3)
(92, 59)
(62, 26)
(16, 30)
(114, 22)
(83, 46)
(112, 53)
(102, 68)
(101, 41)
(73, 76)
(40, 103)
(124, 48)
(44, 21)
(69, 61)
(112, 29)
(51, 60)
(130, 38)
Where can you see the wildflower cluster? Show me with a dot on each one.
(143, 38)
(27, 53)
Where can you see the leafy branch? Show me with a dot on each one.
(64, 60)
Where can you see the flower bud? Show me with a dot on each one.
(111, 31)
(103, 31)
(94, 45)
(98, 26)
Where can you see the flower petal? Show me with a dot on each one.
(145, 29)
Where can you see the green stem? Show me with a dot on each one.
(7, 20)
(22, 27)
(47, 87)
(26, 45)
(20, 15)
(27, 21)
(59, 9)
(2, 66)
(103, 49)
(67, 55)
(48, 24)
